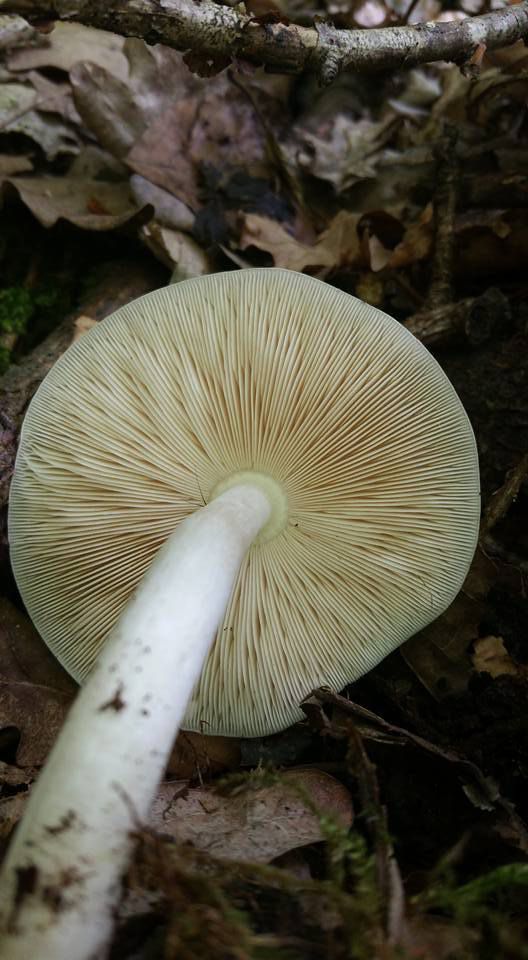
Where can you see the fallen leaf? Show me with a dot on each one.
(24, 657)
(55, 137)
(54, 97)
(438, 655)
(417, 241)
(89, 204)
(348, 151)
(71, 43)
(337, 246)
(81, 326)
(15, 100)
(168, 210)
(176, 250)
(14, 163)
(491, 656)
(213, 127)
(197, 755)
(11, 811)
(259, 822)
(16, 32)
(37, 712)
(118, 109)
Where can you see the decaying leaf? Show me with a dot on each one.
(16, 32)
(55, 137)
(347, 152)
(338, 245)
(197, 756)
(257, 823)
(24, 657)
(15, 100)
(214, 126)
(11, 811)
(168, 210)
(491, 656)
(14, 163)
(37, 712)
(89, 204)
(176, 250)
(71, 43)
(118, 109)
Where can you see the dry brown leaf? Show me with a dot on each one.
(168, 210)
(54, 97)
(417, 241)
(438, 655)
(176, 250)
(337, 246)
(11, 164)
(55, 137)
(16, 99)
(259, 822)
(196, 755)
(89, 204)
(81, 326)
(11, 811)
(23, 654)
(348, 151)
(37, 712)
(119, 109)
(71, 43)
(215, 126)
(491, 656)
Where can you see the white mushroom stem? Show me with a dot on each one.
(61, 879)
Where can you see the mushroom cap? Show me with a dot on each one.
(259, 370)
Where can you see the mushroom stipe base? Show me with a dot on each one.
(273, 492)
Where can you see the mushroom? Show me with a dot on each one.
(231, 491)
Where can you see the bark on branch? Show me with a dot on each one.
(219, 34)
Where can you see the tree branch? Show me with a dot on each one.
(217, 34)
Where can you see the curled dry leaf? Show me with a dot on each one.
(347, 152)
(258, 822)
(337, 246)
(176, 250)
(55, 137)
(168, 210)
(89, 204)
(118, 109)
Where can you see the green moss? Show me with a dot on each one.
(16, 309)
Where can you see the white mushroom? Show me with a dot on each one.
(341, 481)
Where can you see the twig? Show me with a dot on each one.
(481, 790)
(501, 501)
(445, 202)
(475, 319)
(217, 35)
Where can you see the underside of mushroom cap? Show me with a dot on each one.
(280, 377)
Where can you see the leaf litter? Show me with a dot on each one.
(105, 135)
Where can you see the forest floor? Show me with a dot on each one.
(404, 802)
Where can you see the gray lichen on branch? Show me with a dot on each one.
(214, 35)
